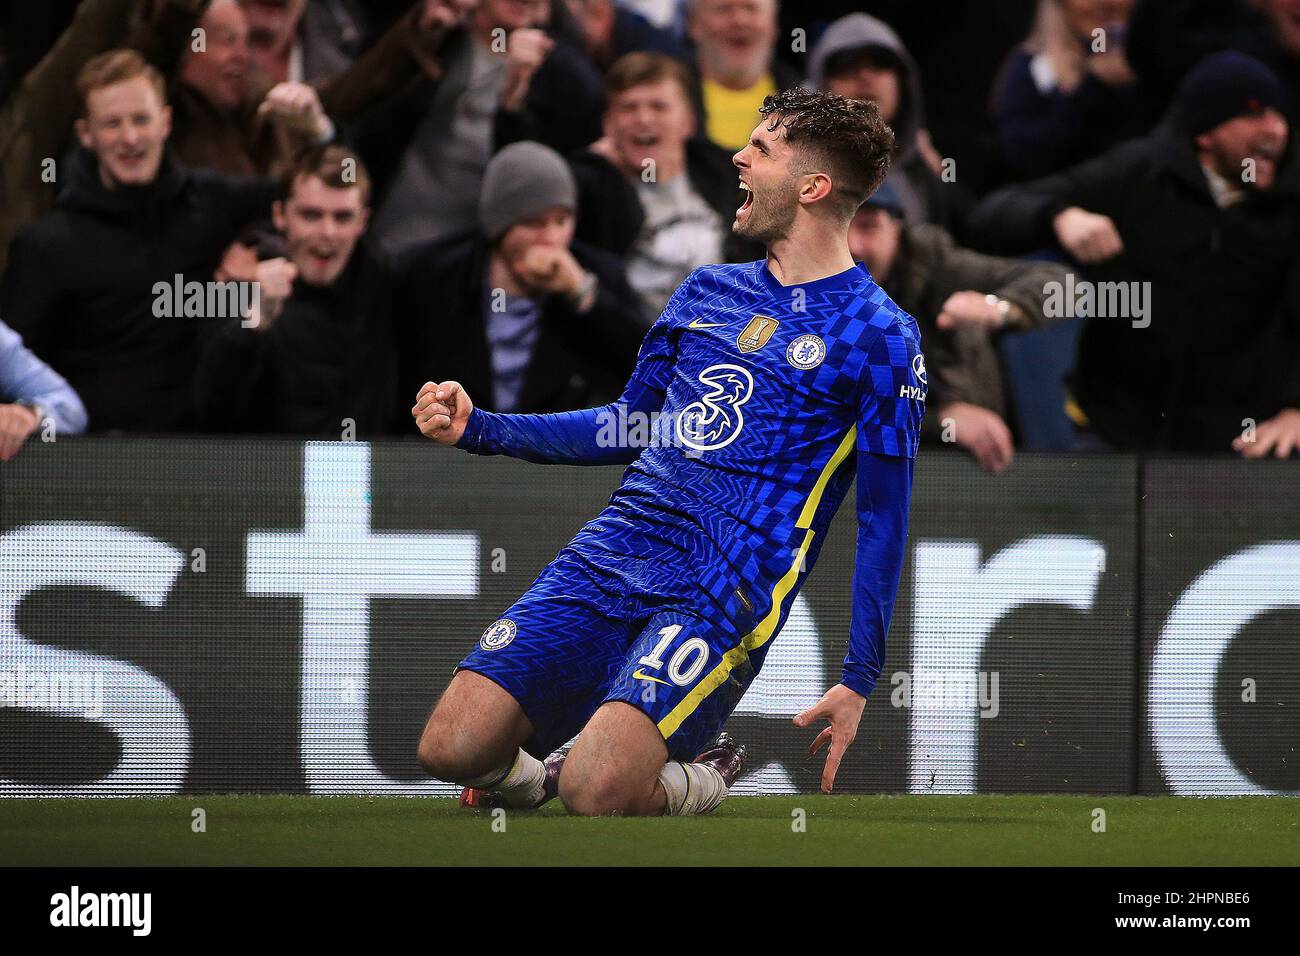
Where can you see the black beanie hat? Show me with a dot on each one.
(1222, 87)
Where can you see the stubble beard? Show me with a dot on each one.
(770, 220)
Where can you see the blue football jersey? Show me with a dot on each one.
(750, 410)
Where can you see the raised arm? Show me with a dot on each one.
(588, 436)
(1044, 213)
(606, 435)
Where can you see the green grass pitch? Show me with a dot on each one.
(746, 831)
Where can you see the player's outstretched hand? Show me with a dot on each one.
(842, 709)
(441, 410)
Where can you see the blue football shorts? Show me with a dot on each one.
(595, 627)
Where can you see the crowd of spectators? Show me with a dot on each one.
(283, 216)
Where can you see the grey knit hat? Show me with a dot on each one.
(521, 181)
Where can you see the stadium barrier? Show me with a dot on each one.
(273, 616)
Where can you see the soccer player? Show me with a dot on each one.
(765, 386)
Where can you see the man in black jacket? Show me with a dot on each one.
(861, 57)
(1197, 228)
(517, 311)
(317, 357)
(88, 284)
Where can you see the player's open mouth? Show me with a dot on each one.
(749, 198)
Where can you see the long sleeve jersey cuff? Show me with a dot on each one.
(858, 682)
(469, 439)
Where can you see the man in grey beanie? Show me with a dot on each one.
(521, 181)
(530, 185)
(534, 320)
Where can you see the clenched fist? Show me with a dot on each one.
(526, 50)
(441, 411)
(439, 16)
(1089, 237)
(551, 269)
(275, 279)
(298, 107)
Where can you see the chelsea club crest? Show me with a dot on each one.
(497, 635)
(806, 351)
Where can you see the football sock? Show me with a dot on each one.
(520, 783)
(691, 788)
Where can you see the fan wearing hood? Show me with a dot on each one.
(861, 57)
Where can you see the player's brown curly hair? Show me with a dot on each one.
(849, 138)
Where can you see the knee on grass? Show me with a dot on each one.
(603, 794)
(445, 759)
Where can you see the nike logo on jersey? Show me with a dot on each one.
(642, 675)
(697, 324)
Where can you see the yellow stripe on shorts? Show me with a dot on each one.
(761, 634)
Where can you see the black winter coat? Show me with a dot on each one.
(80, 286)
(580, 359)
(329, 357)
(1221, 344)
